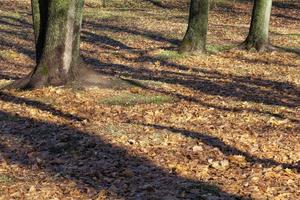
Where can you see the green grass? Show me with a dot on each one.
(129, 99)
(15, 14)
(4, 82)
(114, 130)
(5, 179)
(170, 55)
(294, 35)
(7, 28)
(216, 48)
(9, 54)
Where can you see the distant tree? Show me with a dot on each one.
(57, 26)
(195, 37)
(258, 36)
(104, 3)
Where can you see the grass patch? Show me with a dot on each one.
(294, 35)
(5, 179)
(8, 54)
(129, 99)
(216, 48)
(7, 28)
(170, 55)
(12, 14)
(114, 130)
(4, 82)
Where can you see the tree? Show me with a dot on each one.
(195, 37)
(57, 25)
(258, 36)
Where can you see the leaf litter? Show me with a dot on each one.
(220, 126)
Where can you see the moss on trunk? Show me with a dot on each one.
(57, 26)
(195, 37)
(258, 37)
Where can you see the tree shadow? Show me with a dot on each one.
(20, 34)
(6, 97)
(279, 15)
(23, 50)
(229, 8)
(286, 5)
(266, 61)
(102, 41)
(223, 147)
(15, 22)
(147, 34)
(278, 4)
(143, 73)
(209, 82)
(159, 4)
(7, 77)
(290, 50)
(227, 108)
(92, 162)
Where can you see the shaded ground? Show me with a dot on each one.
(223, 126)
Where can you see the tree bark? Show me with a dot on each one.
(258, 36)
(57, 26)
(195, 37)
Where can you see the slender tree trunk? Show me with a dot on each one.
(195, 37)
(57, 25)
(258, 36)
(104, 3)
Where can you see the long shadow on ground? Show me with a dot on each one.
(90, 161)
(210, 82)
(159, 4)
(22, 33)
(147, 34)
(224, 148)
(214, 83)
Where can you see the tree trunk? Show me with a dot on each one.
(195, 37)
(57, 25)
(258, 36)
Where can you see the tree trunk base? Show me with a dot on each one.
(191, 47)
(82, 77)
(92, 80)
(191, 50)
(266, 47)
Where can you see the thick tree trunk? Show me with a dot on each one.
(57, 25)
(195, 37)
(258, 36)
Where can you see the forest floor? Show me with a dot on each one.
(220, 126)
